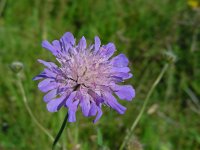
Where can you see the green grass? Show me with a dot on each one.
(141, 29)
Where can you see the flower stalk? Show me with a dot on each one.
(60, 131)
(128, 135)
(24, 98)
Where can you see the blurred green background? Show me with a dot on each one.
(141, 29)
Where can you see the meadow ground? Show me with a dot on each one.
(144, 31)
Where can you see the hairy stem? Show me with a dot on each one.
(128, 135)
(21, 88)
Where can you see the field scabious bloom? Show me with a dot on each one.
(86, 77)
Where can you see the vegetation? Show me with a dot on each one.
(146, 31)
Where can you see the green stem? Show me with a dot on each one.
(60, 131)
(21, 88)
(64, 136)
(128, 135)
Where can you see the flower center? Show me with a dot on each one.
(87, 70)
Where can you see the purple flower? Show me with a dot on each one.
(87, 76)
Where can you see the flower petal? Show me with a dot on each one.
(85, 105)
(47, 64)
(56, 44)
(72, 111)
(98, 99)
(130, 75)
(48, 46)
(108, 50)
(120, 61)
(116, 79)
(68, 38)
(70, 99)
(47, 85)
(124, 92)
(93, 109)
(122, 75)
(97, 43)
(122, 69)
(99, 114)
(50, 73)
(42, 75)
(50, 95)
(44, 83)
(55, 104)
(112, 102)
(82, 43)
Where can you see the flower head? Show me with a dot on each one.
(87, 76)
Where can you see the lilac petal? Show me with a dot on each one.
(55, 104)
(120, 61)
(85, 105)
(44, 83)
(48, 46)
(98, 99)
(50, 95)
(47, 64)
(63, 89)
(108, 50)
(112, 102)
(70, 99)
(68, 38)
(47, 85)
(99, 114)
(122, 75)
(116, 79)
(64, 46)
(130, 75)
(124, 92)
(93, 109)
(56, 44)
(123, 69)
(72, 111)
(40, 76)
(97, 43)
(82, 43)
(50, 73)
